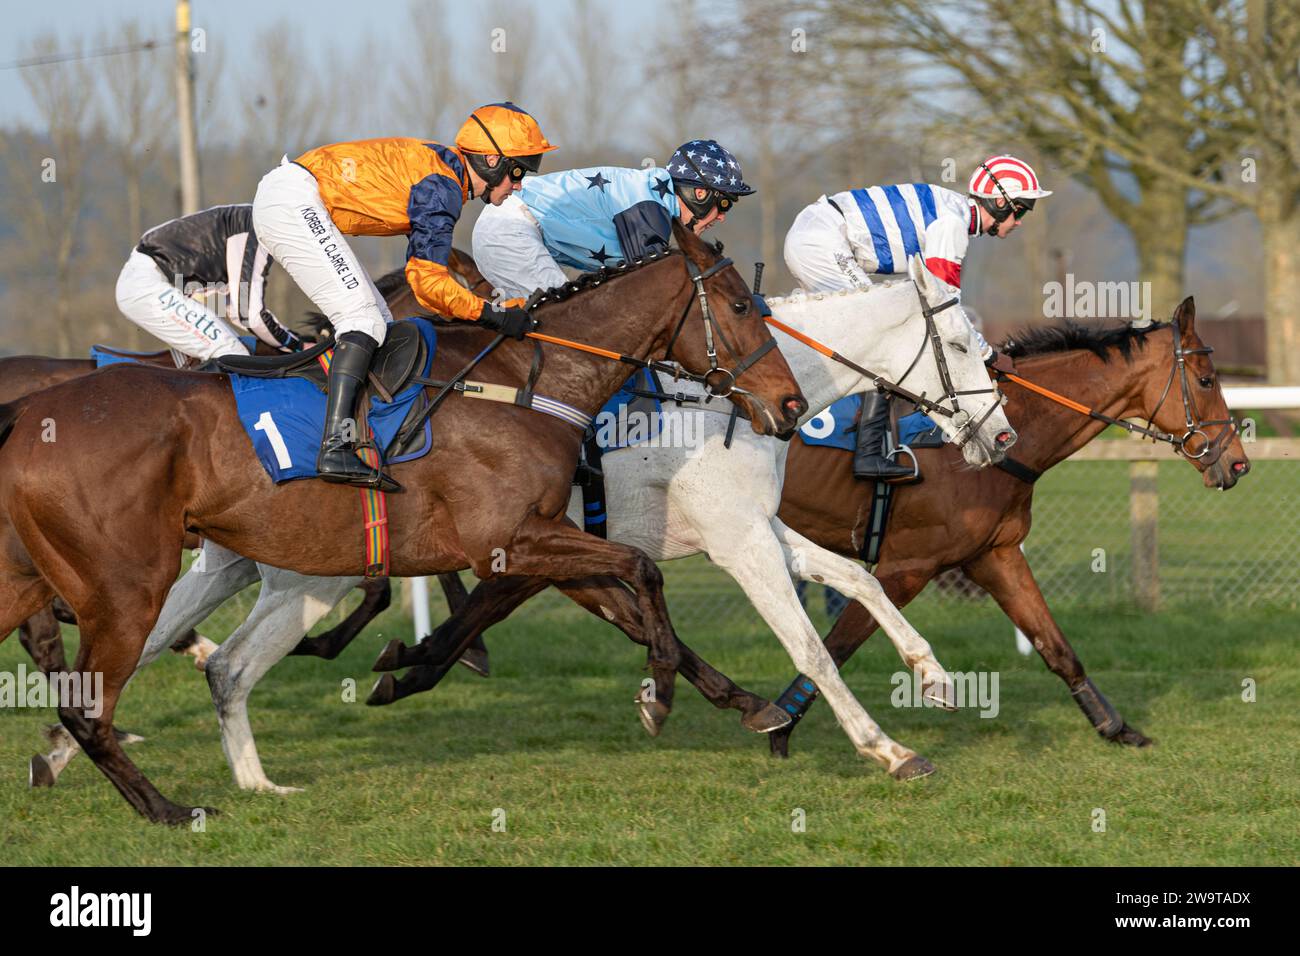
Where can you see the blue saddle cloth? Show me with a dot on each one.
(285, 417)
(628, 419)
(834, 426)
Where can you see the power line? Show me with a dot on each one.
(89, 55)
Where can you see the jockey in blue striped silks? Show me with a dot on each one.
(840, 241)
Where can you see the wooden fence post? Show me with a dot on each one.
(1144, 517)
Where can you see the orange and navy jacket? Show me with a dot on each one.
(397, 186)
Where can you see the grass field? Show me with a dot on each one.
(552, 739)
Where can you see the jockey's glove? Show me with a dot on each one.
(512, 321)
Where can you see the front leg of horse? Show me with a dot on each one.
(607, 599)
(810, 562)
(430, 660)
(287, 604)
(1005, 574)
(756, 560)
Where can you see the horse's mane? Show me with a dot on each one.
(1100, 340)
(589, 280)
(390, 282)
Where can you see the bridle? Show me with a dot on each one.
(967, 428)
(719, 382)
(1192, 421)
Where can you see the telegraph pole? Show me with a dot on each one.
(185, 111)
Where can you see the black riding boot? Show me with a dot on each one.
(869, 459)
(338, 459)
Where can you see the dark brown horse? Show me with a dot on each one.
(977, 520)
(102, 476)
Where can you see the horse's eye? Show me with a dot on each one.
(959, 346)
(1207, 381)
(740, 307)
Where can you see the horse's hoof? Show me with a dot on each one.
(913, 768)
(126, 737)
(766, 719)
(652, 714)
(266, 786)
(390, 657)
(384, 691)
(1131, 737)
(178, 816)
(40, 774)
(476, 660)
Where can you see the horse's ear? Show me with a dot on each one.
(922, 277)
(695, 248)
(1185, 316)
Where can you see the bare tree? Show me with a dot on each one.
(1075, 79)
(510, 35)
(48, 194)
(429, 100)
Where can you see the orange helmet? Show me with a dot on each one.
(502, 129)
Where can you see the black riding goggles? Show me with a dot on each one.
(1021, 206)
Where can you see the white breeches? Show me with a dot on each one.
(147, 297)
(292, 222)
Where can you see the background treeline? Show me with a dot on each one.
(1169, 132)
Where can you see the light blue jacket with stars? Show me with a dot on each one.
(603, 215)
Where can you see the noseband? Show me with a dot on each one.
(719, 382)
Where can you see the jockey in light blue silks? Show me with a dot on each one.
(841, 240)
(604, 215)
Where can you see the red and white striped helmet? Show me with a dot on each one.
(1016, 176)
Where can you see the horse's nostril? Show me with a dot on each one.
(1005, 438)
(1238, 467)
(795, 406)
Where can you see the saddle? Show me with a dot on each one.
(396, 364)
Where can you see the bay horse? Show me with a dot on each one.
(977, 521)
(109, 471)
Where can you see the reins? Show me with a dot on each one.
(1195, 425)
(664, 365)
(967, 427)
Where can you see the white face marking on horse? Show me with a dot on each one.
(609, 615)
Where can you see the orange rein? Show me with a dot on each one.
(1049, 394)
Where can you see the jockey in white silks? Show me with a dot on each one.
(589, 218)
(215, 249)
(840, 241)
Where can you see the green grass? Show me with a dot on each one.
(552, 738)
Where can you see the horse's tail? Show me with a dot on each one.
(10, 412)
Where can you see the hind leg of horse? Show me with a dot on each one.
(113, 616)
(1005, 574)
(377, 595)
(810, 562)
(754, 557)
(288, 605)
(211, 580)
